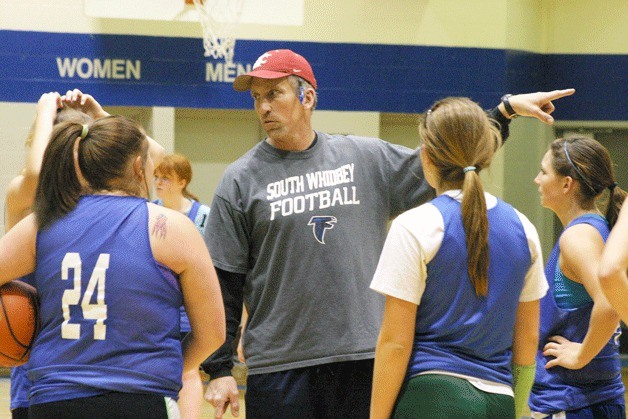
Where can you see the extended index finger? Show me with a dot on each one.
(557, 94)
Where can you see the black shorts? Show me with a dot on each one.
(19, 413)
(110, 405)
(336, 390)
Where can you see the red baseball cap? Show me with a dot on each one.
(274, 65)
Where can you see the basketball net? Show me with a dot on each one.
(219, 19)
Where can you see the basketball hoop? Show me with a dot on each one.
(219, 18)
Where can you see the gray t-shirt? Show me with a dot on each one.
(307, 229)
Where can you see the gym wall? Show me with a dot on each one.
(378, 65)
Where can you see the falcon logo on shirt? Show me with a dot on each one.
(320, 224)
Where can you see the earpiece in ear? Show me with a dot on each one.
(301, 94)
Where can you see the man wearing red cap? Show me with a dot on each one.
(295, 231)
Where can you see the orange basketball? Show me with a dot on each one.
(19, 322)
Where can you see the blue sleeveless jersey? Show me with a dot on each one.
(559, 388)
(456, 331)
(110, 313)
(20, 384)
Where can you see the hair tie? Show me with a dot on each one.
(469, 169)
(427, 114)
(612, 186)
(84, 132)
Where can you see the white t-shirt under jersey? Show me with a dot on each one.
(414, 239)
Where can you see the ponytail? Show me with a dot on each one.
(460, 140)
(59, 188)
(615, 201)
(475, 223)
(82, 158)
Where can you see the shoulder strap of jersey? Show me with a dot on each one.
(194, 210)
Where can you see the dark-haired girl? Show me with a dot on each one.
(578, 371)
(111, 270)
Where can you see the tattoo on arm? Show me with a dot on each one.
(160, 228)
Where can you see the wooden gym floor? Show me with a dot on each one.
(208, 411)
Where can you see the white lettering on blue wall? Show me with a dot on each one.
(109, 68)
(223, 72)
